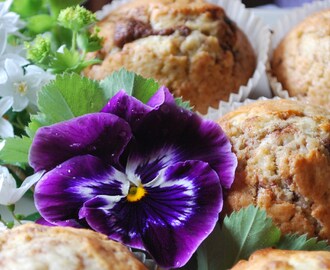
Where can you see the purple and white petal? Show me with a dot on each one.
(179, 210)
(62, 192)
(187, 137)
(67, 223)
(99, 134)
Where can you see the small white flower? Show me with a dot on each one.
(9, 193)
(9, 20)
(23, 87)
(9, 52)
(6, 129)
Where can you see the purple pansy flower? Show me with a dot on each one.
(147, 175)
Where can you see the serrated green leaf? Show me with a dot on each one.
(134, 85)
(243, 233)
(69, 96)
(184, 104)
(16, 150)
(301, 242)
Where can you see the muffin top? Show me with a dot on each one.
(190, 46)
(273, 259)
(301, 62)
(37, 247)
(283, 155)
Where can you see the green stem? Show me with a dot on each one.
(74, 40)
(11, 210)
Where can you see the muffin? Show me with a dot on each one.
(272, 259)
(190, 46)
(37, 247)
(283, 155)
(301, 62)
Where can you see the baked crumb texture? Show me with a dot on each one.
(271, 259)
(37, 247)
(190, 46)
(282, 148)
(301, 62)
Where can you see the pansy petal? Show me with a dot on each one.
(179, 210)
(162, 96)
(99, 134)
(67, 223)
(126, 107)
(188, 137)
(62, 192)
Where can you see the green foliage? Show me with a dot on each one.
(40, 23)
(135, 85)
(301, 242)
(70, 95)
(16, 151)
(28, 8)
(184, 104)
(243, 233)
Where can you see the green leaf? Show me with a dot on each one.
(40, 23)
(57, 5)
(245, 232)
(65, 61)
(27, 8)
(184, 104)
(16, 150)
(208, 256)
(135, 85)
(68, 96)
(300, 242)
(32, 217)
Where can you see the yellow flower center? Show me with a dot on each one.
(136, 193)
(21, 88)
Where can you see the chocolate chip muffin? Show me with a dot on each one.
(190, 46)
(37, 247)
(272, 259)
(301, 62)
(283, 151)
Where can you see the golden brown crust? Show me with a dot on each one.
(272, 259)
(190, 46)
(37, 247)
(283, 163)
(301, 62)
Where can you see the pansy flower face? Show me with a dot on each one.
(148, 175)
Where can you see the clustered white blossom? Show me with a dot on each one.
(19, 79)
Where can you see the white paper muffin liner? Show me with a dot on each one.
(227, 107)
(281, 28)
(254, 28)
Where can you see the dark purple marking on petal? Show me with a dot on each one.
(188, 137)
(61, 192)
(178, 212)
(162, 96)
(99, 134)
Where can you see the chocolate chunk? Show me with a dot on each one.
(131, 29)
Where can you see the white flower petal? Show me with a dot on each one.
(3, 40)
(20, 103)
(27, 183)
(14, 71)
(5, 105)
(6, 129)
(3, 76)
(2, 144)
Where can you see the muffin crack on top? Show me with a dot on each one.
(190, 46)
(283, 163)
